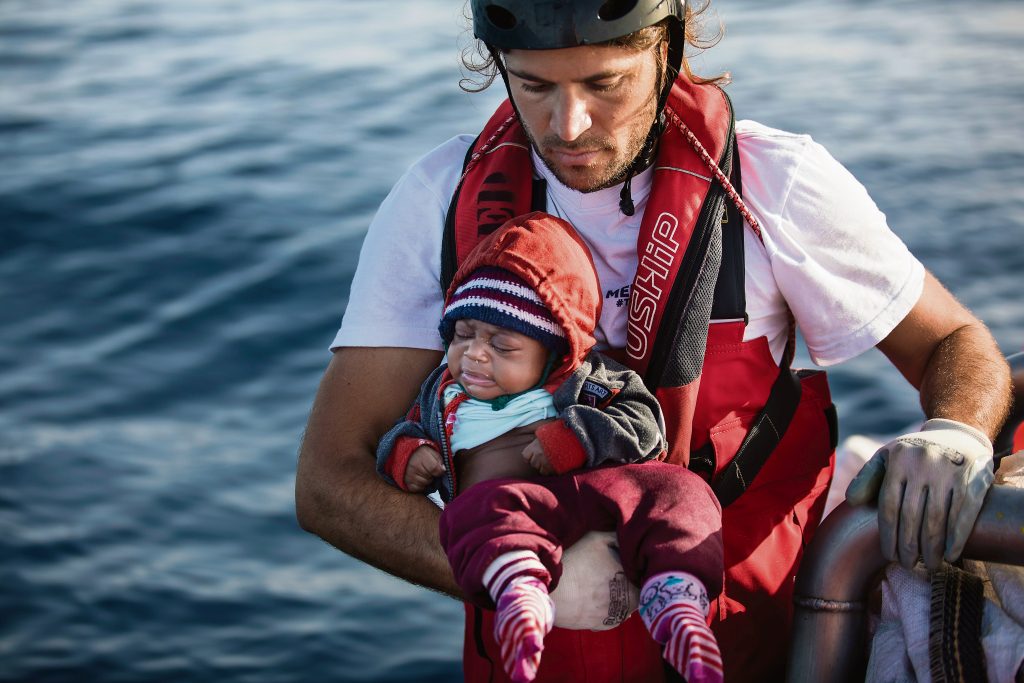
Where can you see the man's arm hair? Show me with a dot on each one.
(338, 494)
(951, 358)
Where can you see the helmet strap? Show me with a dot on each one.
(643, 160)
(500, 64)
(626, 205)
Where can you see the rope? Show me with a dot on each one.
(475, 157)
(737, 200)
(718, 174)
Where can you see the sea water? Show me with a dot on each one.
(184, 187)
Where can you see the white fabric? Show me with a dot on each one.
(889, 662)
(827, 251)
(476, 422)
(902, 634)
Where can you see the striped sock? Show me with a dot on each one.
(674, 606)
(517, 582)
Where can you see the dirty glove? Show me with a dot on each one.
(930, 487)
(593, 592)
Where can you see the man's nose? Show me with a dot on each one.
(571, 115)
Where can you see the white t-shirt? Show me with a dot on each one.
(827, 252)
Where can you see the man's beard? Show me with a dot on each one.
(616, 172)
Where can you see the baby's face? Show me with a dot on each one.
(491, 361)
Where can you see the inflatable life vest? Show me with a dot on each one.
(762, 435)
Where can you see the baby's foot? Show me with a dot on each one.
(673, 606)
(524, 616)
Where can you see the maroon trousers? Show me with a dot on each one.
(666, 519)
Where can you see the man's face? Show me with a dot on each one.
(587, 109)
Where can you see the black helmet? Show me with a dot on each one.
(553, 24)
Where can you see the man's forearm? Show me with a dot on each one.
(363, 516)
(338, 495)
(967, 380)
(952, 359)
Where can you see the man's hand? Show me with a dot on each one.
(930, 487)
(593, 592)
(933, 482)
(425, 465)
(534, 455)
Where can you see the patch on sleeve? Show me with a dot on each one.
(594, 394)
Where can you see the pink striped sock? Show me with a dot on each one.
(674, 606)
(517, 582)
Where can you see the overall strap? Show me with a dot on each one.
(730, 302)
(771, 423)
(764, 436)
(450, 258)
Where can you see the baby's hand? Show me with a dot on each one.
(424, 466)
(534, 455)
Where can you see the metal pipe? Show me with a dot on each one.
(830, 616)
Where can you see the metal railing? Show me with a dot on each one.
(830, 611)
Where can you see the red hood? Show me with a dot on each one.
(548, 255)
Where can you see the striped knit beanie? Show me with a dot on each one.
(494, 295)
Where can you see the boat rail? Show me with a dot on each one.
(830, 612)
(829, 643)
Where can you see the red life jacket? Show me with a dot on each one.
(714, 389)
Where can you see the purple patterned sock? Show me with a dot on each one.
(517, 582)
(674, 606)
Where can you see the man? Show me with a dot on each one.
(700, 282)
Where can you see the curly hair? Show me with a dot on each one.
(478, 60)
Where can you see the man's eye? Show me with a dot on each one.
(605, 86)
(534, 87)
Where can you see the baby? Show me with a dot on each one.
(519, 430)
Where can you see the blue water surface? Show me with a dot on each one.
(184, 187)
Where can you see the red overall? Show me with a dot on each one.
(766, 529)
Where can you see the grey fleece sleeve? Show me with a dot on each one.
(611, 413)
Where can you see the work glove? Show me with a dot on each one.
(930, 486)
(593, 592)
